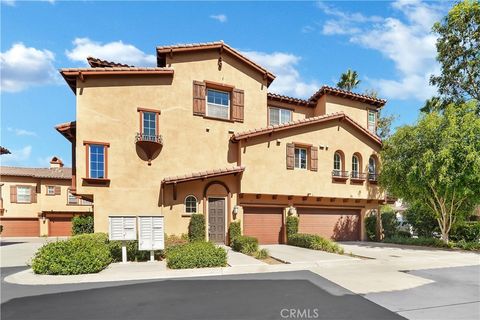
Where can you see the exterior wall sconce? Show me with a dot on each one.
(235, 211)
(292, 211)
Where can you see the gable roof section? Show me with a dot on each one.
(203, 175)
(346, 94)
(71, 74)
(281, 98)
(302, 123)
(99, 63)
(162, 51)
(46, 173)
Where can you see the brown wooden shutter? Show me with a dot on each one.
(237, 105)
(13, 194)
(58, 190)
(33, 195)
(314, 158)
(290, 156)
(199, 89)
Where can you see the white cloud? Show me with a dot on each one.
(17, 156)
(284, 66)
(307, 29)
(21, 132)
(12, 3)
(408, 43)
(219, 17)
(23, 66)
(116, 51)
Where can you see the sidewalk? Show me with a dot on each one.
(237, 259)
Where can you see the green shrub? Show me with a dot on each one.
(466, 231)
(196, 255)
(312, 241)
(261, 254)
(133, 254)
(403, 233)
(234, 230)
(420, 241)
(423, 221)
(82, 224)
(196, 228)
(292, 225)
(471, 246)
(389, 221)
(87, 253)
(245, 244)
(371, 226)
(174, 240)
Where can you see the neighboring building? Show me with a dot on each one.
(201, 134)
(37, 201)
(4, 150)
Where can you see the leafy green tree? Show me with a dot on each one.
(436, 163)
(433, 104)
(422, 220)
(348, 80)
(458, 48)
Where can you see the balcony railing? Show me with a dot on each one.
(338, 174)
(373, 177)
(358, 176)
(157, 138)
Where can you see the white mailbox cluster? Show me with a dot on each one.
(150, 232)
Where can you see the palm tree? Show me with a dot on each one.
(348, 80)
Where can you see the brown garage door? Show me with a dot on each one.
(20, 227)
(265, 224)
(60, 227)
(337, 224)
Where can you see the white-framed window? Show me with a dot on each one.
(218, 104)
(355, 166)
(337, 162)
(72, 199)
(300, 158)
(372, 169)
(191, 204)
(50, 190)
(278, 116)
(24, 194)
(372, 119)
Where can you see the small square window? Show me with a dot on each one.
(279, 116)
(50, 190)
(218, 104)
(300, 158)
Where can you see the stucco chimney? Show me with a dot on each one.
(56, 163)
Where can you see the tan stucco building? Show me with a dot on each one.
(38, 202)
(201, 133)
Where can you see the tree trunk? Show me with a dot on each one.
(379, 227)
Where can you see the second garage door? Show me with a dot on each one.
(265, 224)
(337, 224)
(60, 227)
(20, 227)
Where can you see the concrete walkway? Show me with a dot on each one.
(297, 255)
(238, 259)
(16, 252)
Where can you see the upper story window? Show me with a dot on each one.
(278, 116)
(51, 190)
(218, 104)
(24, 194)
(97, 161)
(372, 121)
(337, 163)
(149, 123)
(300, 158)
(355, 166)
(190, 204)
(72, 199)
(372, 169)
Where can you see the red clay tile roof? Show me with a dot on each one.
(47, 173)
(4, 150)
(67, 129)
(347, 94)
(99, 63)
(70, 74)
(303, 122)
(203, 175)
(282, 98)
(220, 45)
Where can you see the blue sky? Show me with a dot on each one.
(306, 44)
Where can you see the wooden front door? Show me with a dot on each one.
(216, 220)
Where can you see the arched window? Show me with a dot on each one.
(355, 166)
(190, 204)
(372, 169)
(337, 162)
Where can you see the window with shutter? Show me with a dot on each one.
(33, 194)
(58, 190)
(50, 190)
(199, 98)
(238, 105)
(314, 158)
(290, 156)
(24, 194)
(13, 194)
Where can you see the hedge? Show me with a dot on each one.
(82, 224)
(371, 226)
(245, 244)
(312, 241)
(292, 225)
(87, 253)
(420, 241)
(197, 254)
(196, 228)
(234, 230)
(466, 231)
(133, 254)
